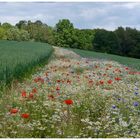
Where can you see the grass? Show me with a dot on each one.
(18, 58)
(131, 62)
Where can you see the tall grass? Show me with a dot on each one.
(18, 58)
(131, 62)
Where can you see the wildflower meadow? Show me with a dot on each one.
(73, 97)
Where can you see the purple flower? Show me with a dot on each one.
(119, 99)
(113, 106)
(135, 103)
(136, 93)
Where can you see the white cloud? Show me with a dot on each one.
(83, 15)
(92, 13)
(130, 5)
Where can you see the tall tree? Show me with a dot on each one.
(64, 33)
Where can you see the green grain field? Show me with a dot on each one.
(127, 61)
(16, 58)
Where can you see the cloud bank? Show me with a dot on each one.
(83, 15)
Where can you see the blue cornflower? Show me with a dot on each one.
(135, 103)
(136, 93)
(113, 106)
(119, 99)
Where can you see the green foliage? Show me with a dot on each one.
(67, 36)
(24, 35)
(2, 33)
(105, 41)
(13, 34)
(16, 58)
(122, 41)
(83, 39)
(6, 25)
(64, 33)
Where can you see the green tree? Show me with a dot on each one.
(24, 35)
(2, 33)
(22, 24)
(13, 34)
(106, 41)
(64, 33)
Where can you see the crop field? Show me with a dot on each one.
(16, 58)
(132, 62)
(74, 97)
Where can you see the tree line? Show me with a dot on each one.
(122, 41)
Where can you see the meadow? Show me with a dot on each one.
(73, 97)
(131, 62)
(19, 58)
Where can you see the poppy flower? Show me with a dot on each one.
(50, 96)
(58, 81)
(35, 80)
(101, 82)
(31, 95)
(13, 111)
(25, 115)
(23, 93)
(68, 102)
(34, 90)
(126, 68)
(57, 88)
(69, 81)
(117, 78)
(109, 81)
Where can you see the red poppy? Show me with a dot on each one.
(57, 88)
(109, 81)
(13, 111)
(25, 115)
(58, 81)
(34, 90)
(117, 78)
(50, 96)
(35, 80)
(131, 72)
(101, 82)
(31, 95)
(23, 93)
(69, 81)
(126, 68)
(68, 102)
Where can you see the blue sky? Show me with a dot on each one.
(82, 15)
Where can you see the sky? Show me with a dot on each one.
(83, 15)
